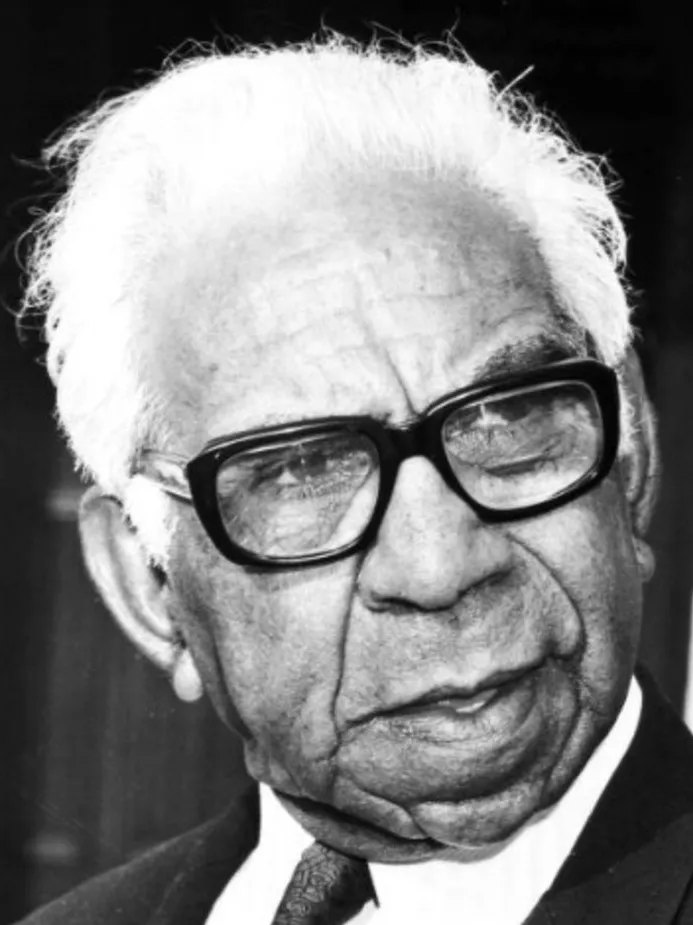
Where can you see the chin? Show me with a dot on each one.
(493, 818)
(479, 823)
(426, 830)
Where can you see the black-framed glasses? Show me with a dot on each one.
(316, 491)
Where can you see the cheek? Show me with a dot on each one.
(588, 548)
(269, 645)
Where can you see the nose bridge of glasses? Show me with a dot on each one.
(420, 438)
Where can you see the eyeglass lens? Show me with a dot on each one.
(317, 493)
(519, 449)
(300, 497)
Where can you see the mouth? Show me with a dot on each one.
(454, 703)
(458, 701)
(463, 741)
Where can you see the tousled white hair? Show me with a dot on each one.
(219, 135)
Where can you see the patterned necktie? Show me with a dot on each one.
(327, 888)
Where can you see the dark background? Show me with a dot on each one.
(98, 760)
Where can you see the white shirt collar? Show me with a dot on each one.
(497, 890)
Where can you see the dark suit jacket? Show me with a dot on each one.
(632, 865)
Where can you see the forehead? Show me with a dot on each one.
(374, 301)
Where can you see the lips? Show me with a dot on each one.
(459, 705)
(458, 741)
(456, 700)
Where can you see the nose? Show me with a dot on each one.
(431, 547)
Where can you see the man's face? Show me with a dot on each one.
(522, 635)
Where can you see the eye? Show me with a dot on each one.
(301, 496)
(311, 466)
(529, 465)
(518, 448)
(315, 469)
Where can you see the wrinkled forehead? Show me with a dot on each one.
(407, 241)
(443, 232)
(373, 260)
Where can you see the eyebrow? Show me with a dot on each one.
(530, 353)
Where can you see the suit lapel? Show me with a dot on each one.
(633, 862)
(212, 860)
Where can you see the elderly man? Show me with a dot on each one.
(341, 339)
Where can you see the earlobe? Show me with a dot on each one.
(186, 679)
(130, 586)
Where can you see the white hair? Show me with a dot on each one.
(220, 135)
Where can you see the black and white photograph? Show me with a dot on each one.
(346, 542)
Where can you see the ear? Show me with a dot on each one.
(640, 464)
(133, 589)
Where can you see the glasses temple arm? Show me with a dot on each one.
(167, 470)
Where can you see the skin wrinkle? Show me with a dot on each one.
(436, 615)
(358, 822)
(315, 254)
(298, 654)
(280, 338)
(385, 809)
(536, 554)
(573, 607)
(548, 345)
(384, 355)
(452, 617)
(403, 609)
(317, 760)
(227, 705)
(414, 828)
(340, 662)
(571, 664)
(193, 619)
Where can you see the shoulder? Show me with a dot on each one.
(189, 869)
(127, 894)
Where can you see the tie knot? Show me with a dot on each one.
(327, 888)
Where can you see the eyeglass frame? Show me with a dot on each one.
(394, 444)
